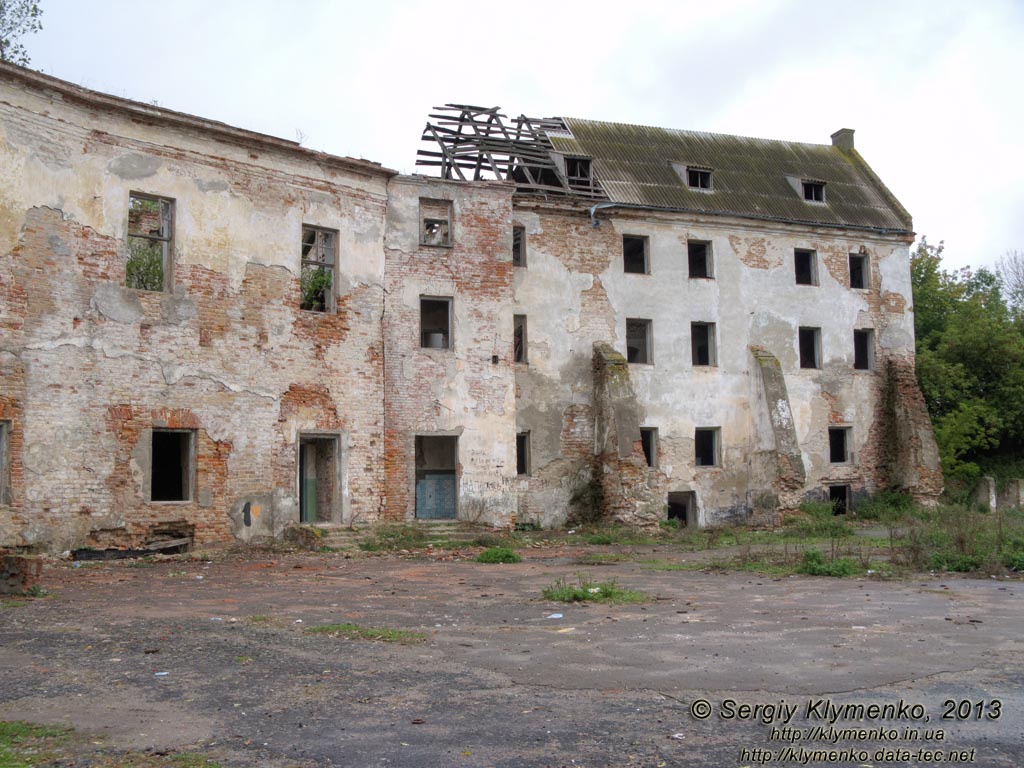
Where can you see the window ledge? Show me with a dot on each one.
(437, 245)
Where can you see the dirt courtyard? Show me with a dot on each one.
(215, 657)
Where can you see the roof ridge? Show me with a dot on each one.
(695, 133)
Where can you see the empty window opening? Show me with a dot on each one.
(5, 462)
(699, 254)
(806, 264)
(810, 347)
(864, 350)
(838, 445)
(577, 171)
(518, 246)
(171, 461)
(860, 277)
(705, 441)
(150, 228)
(634, 255)
(839, 495)
(318, 479)
(682, 507)
(638, 340)
(435, 322)
(316, 282)
(519, 338)
(814, 191)
(649, 442)
(523, 453)
(436, 222)
(698, 178)
(436, 462)
(702, 343)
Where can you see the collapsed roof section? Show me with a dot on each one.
(475, 143)
(660, 168)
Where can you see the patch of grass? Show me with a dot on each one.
(389, 538)
(601, 558)
(12, 603)
(955, 562)
(815, 564)
(36, 591)
(587, 590)
(499, 555)
(611, 535)
(259, 619)
(25, 745)
(359, 632)
(665, 565)
(243, 659)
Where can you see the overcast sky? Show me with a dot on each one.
(932, 88)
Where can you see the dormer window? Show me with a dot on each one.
(699, 178)
(814, 191)
(577, 170)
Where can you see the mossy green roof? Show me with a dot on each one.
(758, 178)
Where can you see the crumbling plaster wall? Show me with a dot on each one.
(88, 367)
(468, 389)
(574, 292)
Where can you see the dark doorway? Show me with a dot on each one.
(436, 491)
(682, 507)
(171, 465)
(839, 495)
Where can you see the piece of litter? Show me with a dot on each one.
(594, 590)
(855, 627)
(678, 736)
(199, 578)
(298, 621)
(216, 618)
(554, 616)
(567, 629)
(161, 674)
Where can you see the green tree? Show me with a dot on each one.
(970, 363)
(17, 18)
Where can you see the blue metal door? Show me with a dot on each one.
(435, 495)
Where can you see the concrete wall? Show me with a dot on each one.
(574, 292)
(88, 367)
(468, 389)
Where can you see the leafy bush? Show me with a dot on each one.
(815, 564)
(589, 591)
(499, 555)
(954, 561)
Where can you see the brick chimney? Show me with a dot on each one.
(843, 138)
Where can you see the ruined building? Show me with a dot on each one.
(212, 334)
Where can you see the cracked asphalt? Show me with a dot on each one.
(212, 657)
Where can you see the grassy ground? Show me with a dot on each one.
(24, 745)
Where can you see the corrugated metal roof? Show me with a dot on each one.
(750, 177)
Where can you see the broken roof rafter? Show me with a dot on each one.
(477, 143)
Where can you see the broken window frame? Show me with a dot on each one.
(523, 468)
(649, 443)
(809, 341)
(140, 263)
(839, 446)
(436, 223)
(188, 461)
(698, 178)
(446, 332)
(314, 268)
(629, 245)
(811, 257)
(813, 191)
(519, 246)
(5, 462)
(710, 341)
(860, 277)
(520, 341)
(864, 349)
(579, 172)
(647, 356)
(708, 260)
(714, 434)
